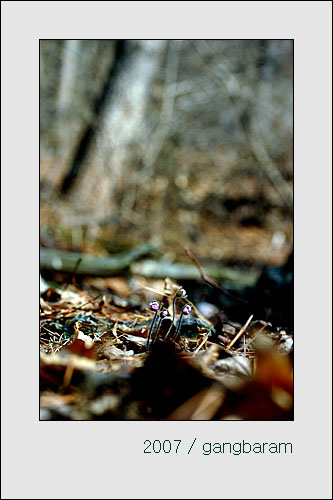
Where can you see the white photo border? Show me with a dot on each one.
(106, 459)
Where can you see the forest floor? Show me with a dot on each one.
(104, 357)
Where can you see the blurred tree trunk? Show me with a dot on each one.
(102, 157)
(71, 51)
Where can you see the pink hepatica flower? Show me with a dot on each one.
(154, 305)
(187, 309)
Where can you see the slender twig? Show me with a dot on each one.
(88, 302)
(80, 307)
(253, 338)
(165, 294)
(49, 331)
(201, 344)
(240, 333)
(210, 281)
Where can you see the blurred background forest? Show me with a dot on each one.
(184, 143)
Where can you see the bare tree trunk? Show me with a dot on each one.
(119, 126)
(65, 127)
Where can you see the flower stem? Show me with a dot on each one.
(157, 329)
(173, 316)
(151, 329)
(178, 326)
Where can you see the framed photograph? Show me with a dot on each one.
(166, 250)
(166, 229)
